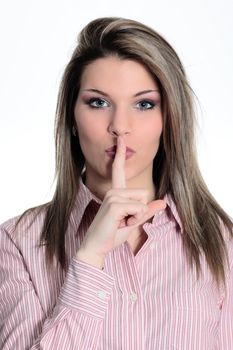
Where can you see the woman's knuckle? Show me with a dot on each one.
(144, 208)
(109, 193)
(112, 205)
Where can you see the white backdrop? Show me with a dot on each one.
(37, 39)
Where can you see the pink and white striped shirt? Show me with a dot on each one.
(148, 301)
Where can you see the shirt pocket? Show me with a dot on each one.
(197, 306)
(195, 318)
(199, 299)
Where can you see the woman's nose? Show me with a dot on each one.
(119, 123)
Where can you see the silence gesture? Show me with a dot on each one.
(121, 212)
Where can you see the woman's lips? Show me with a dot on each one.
(112, 151)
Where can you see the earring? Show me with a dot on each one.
(74, 131)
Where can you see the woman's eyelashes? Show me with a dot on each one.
(97, 102)
(145, 105)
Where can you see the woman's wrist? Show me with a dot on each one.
(90, 258)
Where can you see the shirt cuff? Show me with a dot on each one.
(87, 289)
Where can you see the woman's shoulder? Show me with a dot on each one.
(29, 223)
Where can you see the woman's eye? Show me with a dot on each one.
(144, 105)
(97, 103)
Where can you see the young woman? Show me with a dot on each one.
(133, 252)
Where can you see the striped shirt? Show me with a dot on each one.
(148, 301)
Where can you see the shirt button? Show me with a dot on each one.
(133, 296)
(152, 245)
(102, 294)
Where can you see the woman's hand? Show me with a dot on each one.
(121, 212)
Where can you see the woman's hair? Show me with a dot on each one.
(175, 168)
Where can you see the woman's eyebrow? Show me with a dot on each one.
(105, 94)
(97, 91)
(145, 92)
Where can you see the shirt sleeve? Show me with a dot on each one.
(225, 341)
(77, 318)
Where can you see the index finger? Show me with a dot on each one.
(118, 165)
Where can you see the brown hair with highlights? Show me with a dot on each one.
(175, 168)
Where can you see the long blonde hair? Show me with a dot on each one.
(175, 168)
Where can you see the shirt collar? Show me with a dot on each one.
(85, 196)
(172, 207)
(83, 199)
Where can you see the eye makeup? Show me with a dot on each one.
(96, 102)
(143, 104)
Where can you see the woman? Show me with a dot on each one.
(133, 252)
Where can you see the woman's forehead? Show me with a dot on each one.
(114, 74)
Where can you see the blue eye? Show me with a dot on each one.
(97, 103)
(145, 105)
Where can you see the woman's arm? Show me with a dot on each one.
(226, 324)
(225, 341)
(77, 318)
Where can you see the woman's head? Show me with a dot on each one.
(131, 41)
(175, 170)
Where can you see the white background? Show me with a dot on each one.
(37, 39)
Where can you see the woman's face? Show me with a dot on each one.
(118, 97)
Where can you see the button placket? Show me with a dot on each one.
(127, 279)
